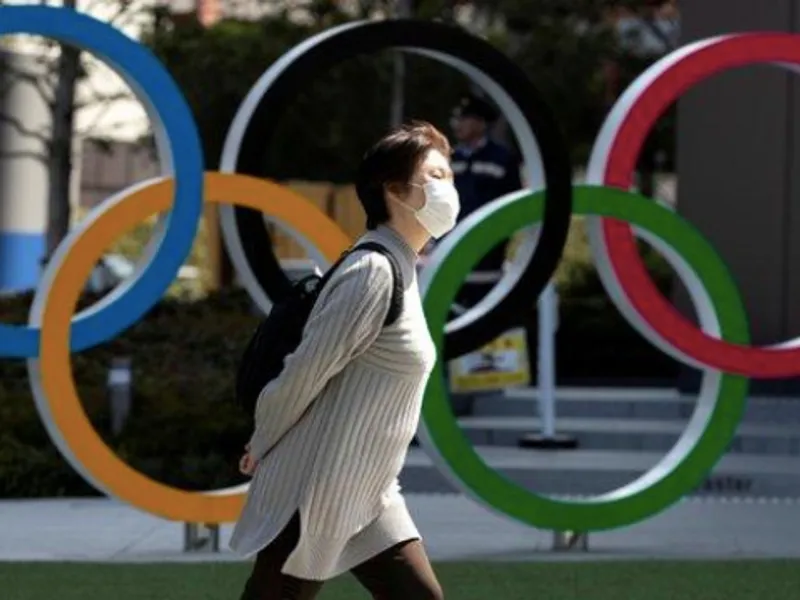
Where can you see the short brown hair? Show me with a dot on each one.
(393, 160)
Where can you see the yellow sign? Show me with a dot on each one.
(501, 364)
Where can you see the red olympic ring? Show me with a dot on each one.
(722, 54)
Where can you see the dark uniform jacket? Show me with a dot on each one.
(482, 175)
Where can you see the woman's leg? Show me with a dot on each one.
(266, 582)
(402, 572)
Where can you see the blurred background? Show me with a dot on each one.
(581, 55)
(72, 134)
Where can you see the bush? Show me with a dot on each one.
(577, 278)
(184, 429)
(594, 342)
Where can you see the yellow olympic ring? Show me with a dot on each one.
(70, 421)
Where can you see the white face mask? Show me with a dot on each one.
(440, 212)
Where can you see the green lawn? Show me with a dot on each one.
(746, 580)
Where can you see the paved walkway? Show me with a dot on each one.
(455, 528)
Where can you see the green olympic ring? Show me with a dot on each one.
(709, 432)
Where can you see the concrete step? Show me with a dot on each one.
(627, 403)
(630, 434)
(588, 472)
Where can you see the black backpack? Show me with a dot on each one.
(279, 334)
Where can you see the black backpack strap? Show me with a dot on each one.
(396, 307)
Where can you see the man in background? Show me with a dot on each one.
(484, 171)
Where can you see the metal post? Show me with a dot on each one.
(548, 316)
(546, 376)
(119, 388)
(567, 541)
(200, 537)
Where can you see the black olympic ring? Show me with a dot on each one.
(260, 115)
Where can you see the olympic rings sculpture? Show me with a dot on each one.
(719, 347)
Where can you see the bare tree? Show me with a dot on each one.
(57, 71)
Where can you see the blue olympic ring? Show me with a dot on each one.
(170, 113)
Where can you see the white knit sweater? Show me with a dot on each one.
(340, 417)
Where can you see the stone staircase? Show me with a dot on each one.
(621, 434)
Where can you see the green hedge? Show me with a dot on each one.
(594, 342)
(185, 428)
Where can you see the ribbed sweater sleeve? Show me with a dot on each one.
(347, 317)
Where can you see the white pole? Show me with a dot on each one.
(548, 324)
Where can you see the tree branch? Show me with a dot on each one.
(39, 82)
(18, 126)
(123, 13)
(109, 102)
(101, 98)
(124, 8)
(107, 131)
(30, 154)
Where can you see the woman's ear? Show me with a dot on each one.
(394, 191)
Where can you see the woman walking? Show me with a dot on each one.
(332, 431)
